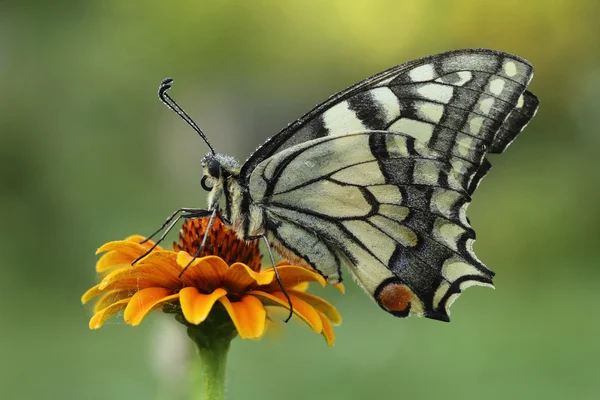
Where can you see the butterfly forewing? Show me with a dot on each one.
(455, 102)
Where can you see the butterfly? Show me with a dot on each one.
(379, 177)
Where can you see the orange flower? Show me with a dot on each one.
(230, 279)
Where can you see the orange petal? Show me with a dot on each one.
(147, 245)
(195, 305)
(301, 287)
(111, 297)
(248, 315)
(340, 286)
(101, 316)
(114, 259)
(301, 308)
(123, 246)
(205, 272)
(163, 262)
(159, 267)
(327, 332)
(292, 275)
(145, 301)
(90, 294)
(321, 305)
(239, 277)
(131, 283)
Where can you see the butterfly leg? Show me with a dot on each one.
(169, 224)
(168, 220)
(199, 251)
(285, 293)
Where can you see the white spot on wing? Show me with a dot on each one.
(475, 125)
(386, 193)
(486, 104)
(387, 100)
(443, 201)
(340, 120)
(449, 234)
(394, 212)
(439, 294)
(463, 77)
(496, 86)
(510, 68)
(422, 73)
(431, 112)
(436, 92)
(465, 145)
(521, 101)
(417, 129)
(458, 164)
(455, 268)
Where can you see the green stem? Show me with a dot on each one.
(212, 338)
(210, 371)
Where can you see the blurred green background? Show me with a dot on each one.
(88, 154)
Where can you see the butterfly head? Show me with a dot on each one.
(218, 168)
(218, 171)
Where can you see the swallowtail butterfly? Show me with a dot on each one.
(379, 177)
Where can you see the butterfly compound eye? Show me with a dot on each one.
(214, 168)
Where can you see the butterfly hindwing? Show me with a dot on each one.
(390, 207)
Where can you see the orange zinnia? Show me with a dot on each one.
(230, 279)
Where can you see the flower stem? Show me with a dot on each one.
(210, 371)
(212, 339)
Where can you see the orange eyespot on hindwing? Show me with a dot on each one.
(394, 297)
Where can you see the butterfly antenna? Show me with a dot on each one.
(172, 104)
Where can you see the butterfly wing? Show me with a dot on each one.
(463, 103)
(385, 204)
(380, 175)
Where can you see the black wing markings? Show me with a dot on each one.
(277, 141)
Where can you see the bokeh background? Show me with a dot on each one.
(88, 154)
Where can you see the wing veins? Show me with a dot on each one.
(416, 84)
(449, 105)
(432, 238)
(508, 78)
(337, 224)
(328, 176)
(405, 248)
